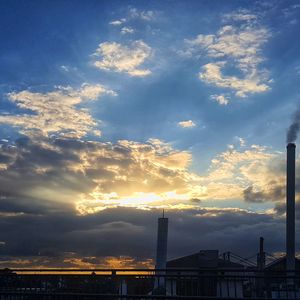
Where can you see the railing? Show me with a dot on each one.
(148, 284)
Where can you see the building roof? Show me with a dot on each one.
(203, 259)
(280, 264)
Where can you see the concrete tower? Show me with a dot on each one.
(162, 243)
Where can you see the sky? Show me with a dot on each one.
(111, 111)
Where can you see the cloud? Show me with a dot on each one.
(98, 201)
(274, 193)
(127, 30)
(211, 74)
(233, 46)
(117, 22)
(65, 68)
(243, 15)
(134, 14)
(93, 175)
(241, 141)
(233, 171)
(55, 112)
(130, 174)
(271, 182)
(221, 99)
(145, 15)
(280, 207)
(73, 260)
(290, 11)
(187, 124)
(121, 58)
(103, 239)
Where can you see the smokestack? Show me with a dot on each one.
(290, 207)
(162, 243)
(261, 259)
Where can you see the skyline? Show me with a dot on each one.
(114, 111)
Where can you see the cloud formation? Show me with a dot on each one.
(134, 13)
(95, 175)
(107, 238)
(221, 99)
(235, 45)
(82, 192)
(187, 124)
(127, 30)
(55, 112)
(212, 74)
(145, 15)
(123, 59)
(117, 22)
(243, 15)
(233, 171)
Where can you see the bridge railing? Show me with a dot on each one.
(149, 284)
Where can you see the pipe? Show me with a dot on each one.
(261, 258)
(290, 207)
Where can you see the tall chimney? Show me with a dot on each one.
(162, 243)
(261, 258)
(290, 207)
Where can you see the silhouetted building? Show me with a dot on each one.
(212, 271)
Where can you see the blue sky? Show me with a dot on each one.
(39, 39)
(144, 105)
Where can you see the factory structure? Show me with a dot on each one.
(210, 262)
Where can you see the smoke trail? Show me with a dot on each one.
(294, 128)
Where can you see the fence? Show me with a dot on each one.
(148, 284)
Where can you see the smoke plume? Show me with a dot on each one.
(294, 128)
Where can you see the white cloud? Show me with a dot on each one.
(127, 30)
(134, 13)
(238, 47)
(232, 171)
(212, 74)
(201, 40)
(65, 68)
(120, 58)
(221, 99)
(146, 15)
(187, 124)
(92, 92)
(242, 141)
(55, 112)
(240, 15)
(117, 22)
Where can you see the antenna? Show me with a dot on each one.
(163, 212)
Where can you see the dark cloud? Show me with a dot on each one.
(275, 189)
(274, 193)
(280, 209)
(195, 200)
(131, 232)
(38, 223)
